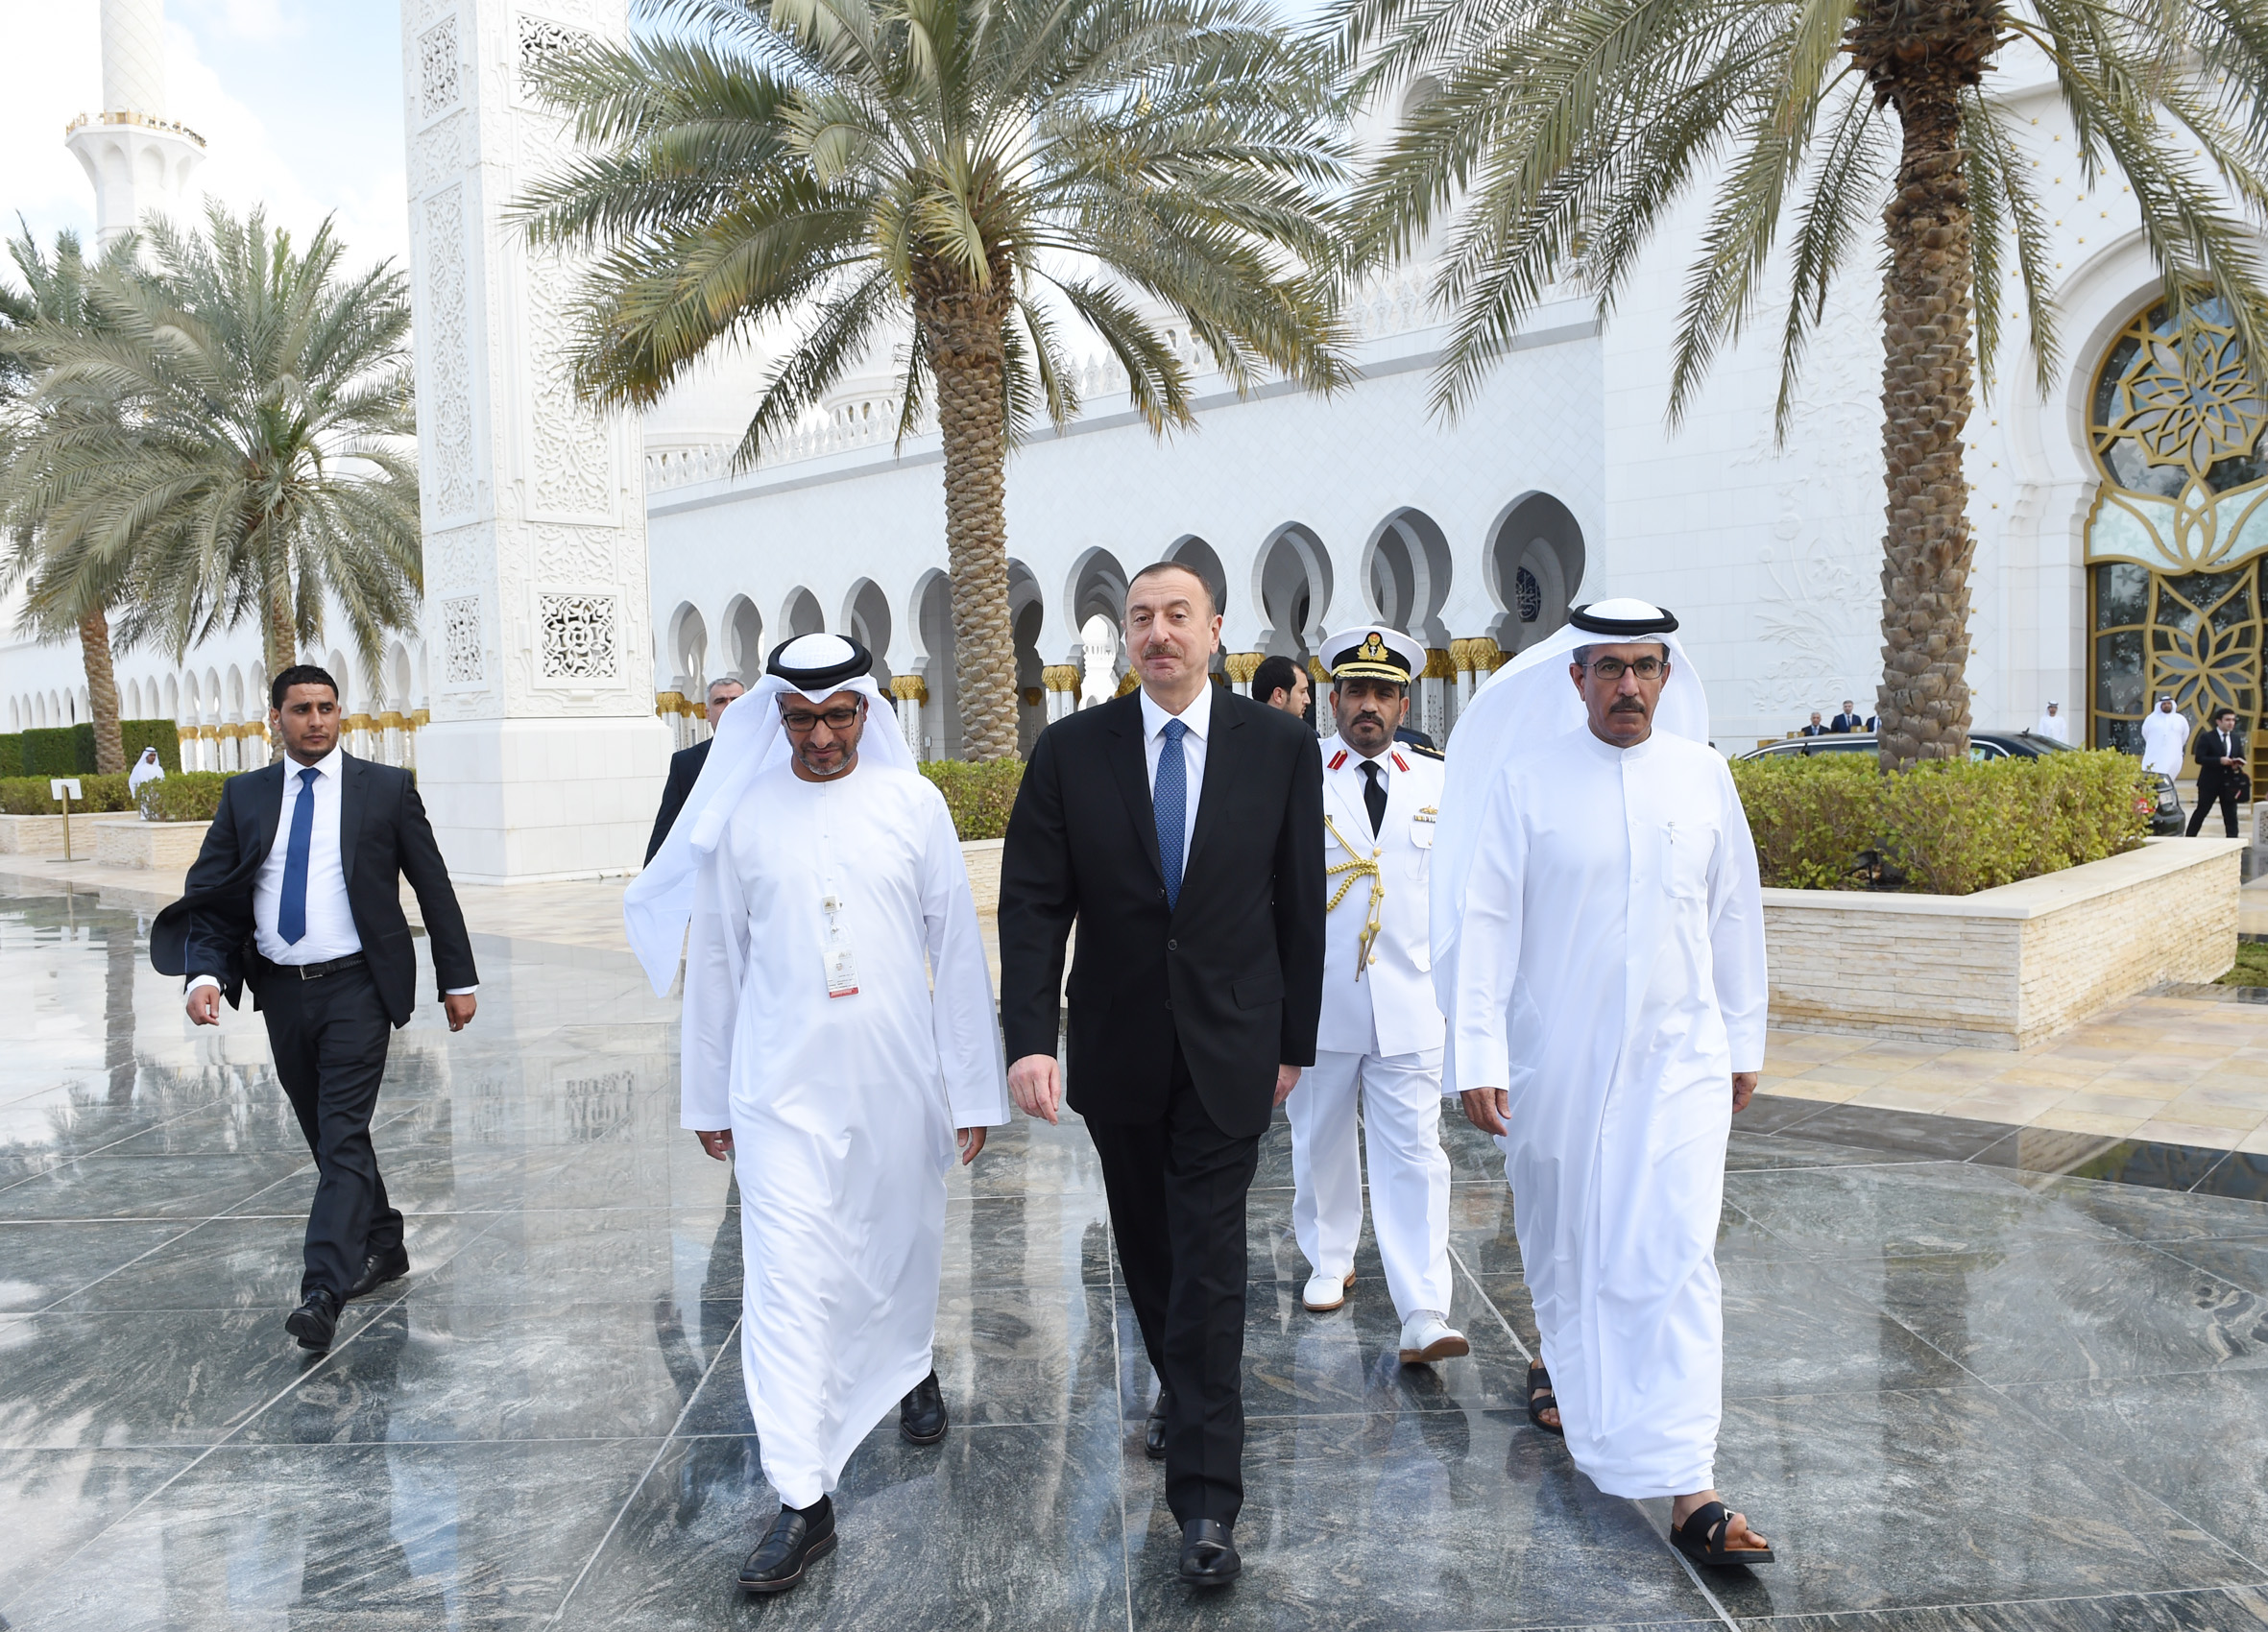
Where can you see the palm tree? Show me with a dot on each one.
(235, 440)
(955, 178)
(55, 298)
(1566, 130)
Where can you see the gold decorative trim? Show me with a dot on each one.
(1241, 666)
(910, 687)
(1438, 664)
(1060, 677)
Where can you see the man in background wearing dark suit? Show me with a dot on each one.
(298, 894)
(2220, 771)
(1181, 827)
(1849, 720)
(1282, 683)
(685, 765)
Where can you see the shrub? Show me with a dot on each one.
(185, 796)
(52, 751)
(979, 795)
(1833, 821)
(28, 796)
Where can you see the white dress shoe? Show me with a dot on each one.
(1427, 1337)
(1326, 1293)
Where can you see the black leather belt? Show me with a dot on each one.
(317, 971)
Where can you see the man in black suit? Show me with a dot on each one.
(1814, 728)
(685, 765)
(1849, 720)
(1181, 827)
(2220, 771)
(298, 894)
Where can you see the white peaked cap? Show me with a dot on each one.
(1520, 709)
(749, 741)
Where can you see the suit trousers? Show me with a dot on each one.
(1177, 1189)
(1401, 1104)
(328, 1037)
(2226, 794)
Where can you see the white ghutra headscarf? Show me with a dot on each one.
(749, 741)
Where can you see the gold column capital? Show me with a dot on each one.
(1438, 664)
(911, 688)
(1316, 672)
(1131, 683)
(1060, 677)
(1241, 666)
(667, 702)
(419, 718)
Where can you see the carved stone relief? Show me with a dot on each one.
(441, 153)
(570, 455)
(460, 641)
(437, 68)
(445, 326)
(572, 555)
(578, 635)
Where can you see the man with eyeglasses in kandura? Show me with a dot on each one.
(825, 887)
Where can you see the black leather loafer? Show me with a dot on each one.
(314, 1322)
(376, 1270)
(795, 1540)
(1153, 1431)
(1208, 1556)
(921, 1414)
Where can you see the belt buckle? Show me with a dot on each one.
(312, 970)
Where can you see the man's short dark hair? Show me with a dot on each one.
(1274, 675)
(299, 674)
(2220, 714)
(1212, 606)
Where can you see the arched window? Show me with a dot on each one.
(2177, 543)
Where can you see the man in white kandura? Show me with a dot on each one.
(2165, 737)
(1380, 1033)
(2053, 726)
(146, 769)
(839, 1029)
(1599, 947)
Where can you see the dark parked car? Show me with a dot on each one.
(2166, 815)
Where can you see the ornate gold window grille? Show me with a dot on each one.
(2177, 542)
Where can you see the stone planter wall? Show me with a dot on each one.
(129, 841)
(982, 859)
(2006, 968)
(42, 835)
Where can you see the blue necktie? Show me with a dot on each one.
(291, 913)
(1169, 805)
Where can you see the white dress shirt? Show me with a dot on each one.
(331, 917)
(1197, 716)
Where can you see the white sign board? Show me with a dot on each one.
(58, 786)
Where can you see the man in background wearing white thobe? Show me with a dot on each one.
(838, 1030)
(1607, 1005)
(2054, 726)
(146, 769)
(1379, 1042)
(2165, 738)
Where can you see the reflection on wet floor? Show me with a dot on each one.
(1969, 1383)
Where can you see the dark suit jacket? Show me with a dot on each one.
(1847, 723)
(2213, 769)
(685, 770)
(383, 839)
(1235, 971)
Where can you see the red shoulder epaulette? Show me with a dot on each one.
(1337, 760)
(1400, 763)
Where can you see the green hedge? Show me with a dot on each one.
(28, 796)
(1824, 822)
(68, 750)
(185, 796)
(979, 795)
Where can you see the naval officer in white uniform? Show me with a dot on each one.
(1380, 1041)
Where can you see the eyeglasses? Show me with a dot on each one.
(1645, 668)
(802, 721)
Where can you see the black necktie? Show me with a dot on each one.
(1374, 795)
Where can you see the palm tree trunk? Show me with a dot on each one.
(102, 693)
(280, 640)
(1924, 701)
(964, 330)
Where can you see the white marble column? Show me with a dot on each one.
(543, 757)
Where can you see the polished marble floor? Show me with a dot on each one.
(1963, 1387)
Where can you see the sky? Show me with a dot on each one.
(299, 101)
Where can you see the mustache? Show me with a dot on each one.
(1627, 705)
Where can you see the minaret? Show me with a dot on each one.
(137, 158)
(543, 758)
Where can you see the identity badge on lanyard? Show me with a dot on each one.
(842, 969)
